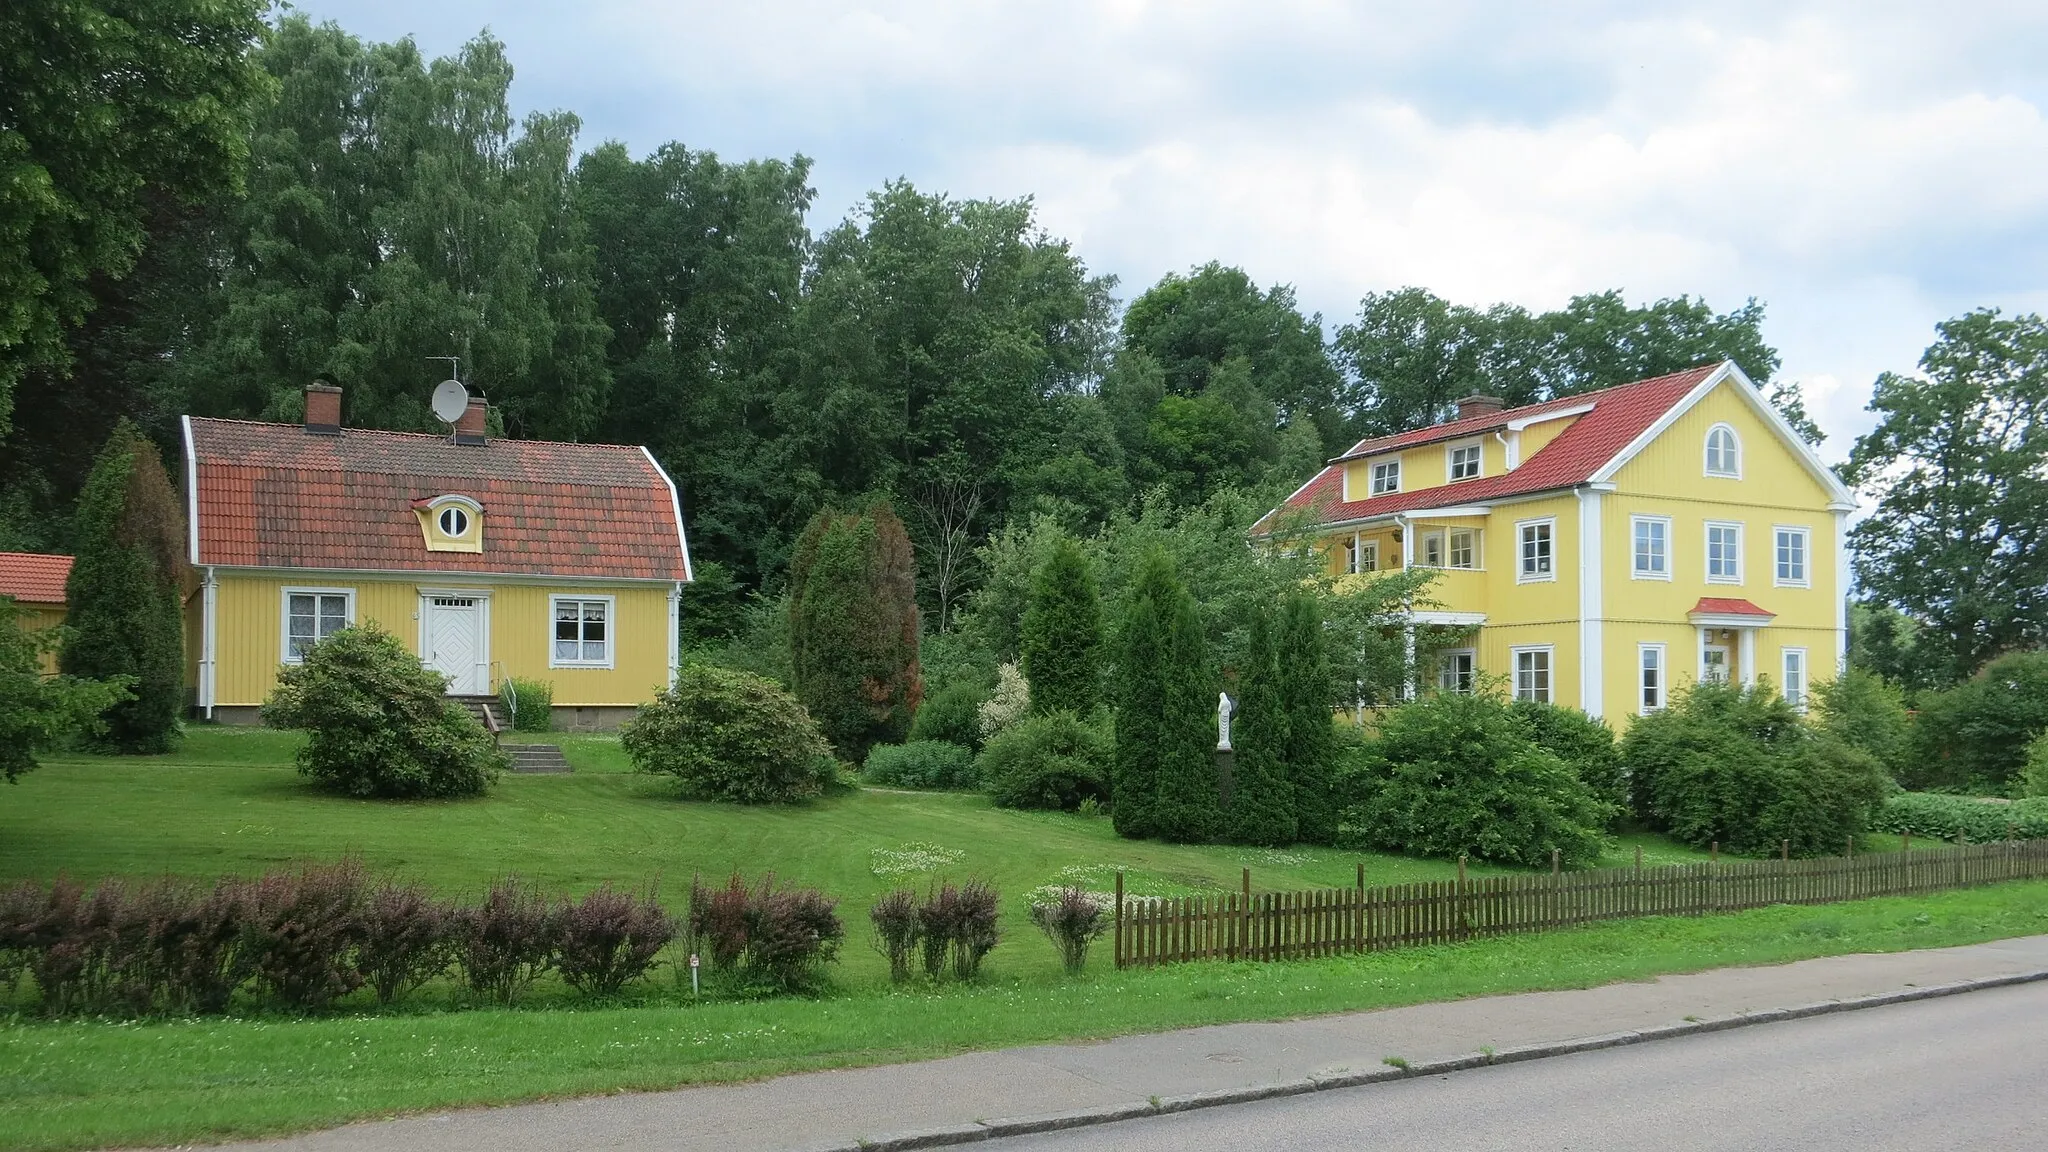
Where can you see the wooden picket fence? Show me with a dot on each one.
(1247, 925)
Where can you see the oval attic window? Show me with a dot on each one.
(454, 522)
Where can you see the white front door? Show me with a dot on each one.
(456, 643)
(1715, 664)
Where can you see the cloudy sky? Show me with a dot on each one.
(1866, 169)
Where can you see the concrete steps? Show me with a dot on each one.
(487, 710)
(536, 757)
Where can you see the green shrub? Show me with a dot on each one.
(730, 735)
(1165, 768)
(1455, 775)
(1052, 761)
(933, 764)
(1863, 710)
(1975, 735)
(534, 705)
(952, 714)
(1579, 740)
(39, 713)
(1261, 808)
(1062, 634)
(2034, 776)
(379, 723)
(1308, 694)
(1738, 766)
(1009, 703)
(1962, 819)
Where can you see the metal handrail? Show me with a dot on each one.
(507, 695)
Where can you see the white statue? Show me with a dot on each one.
(1225, 708)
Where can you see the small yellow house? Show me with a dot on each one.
(491, 559)
(36, 582)
(1605, 548)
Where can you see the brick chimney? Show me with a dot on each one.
(323, 409)
(1471, 406)
(470, 429)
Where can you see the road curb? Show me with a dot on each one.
(1160, 1106)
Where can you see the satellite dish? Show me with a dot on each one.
(451, 400)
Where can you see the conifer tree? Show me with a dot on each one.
(853, 628)
(1164, 781)
(1261, 807)
(124, 593)
(1140, 700)
(1308, 694)
(1062, 634)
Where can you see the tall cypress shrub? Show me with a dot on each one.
(1140, 699)
(1062, 634)
(1308, 695)
(125, 592)
(1261, 807)
(853, 628)
(1187, 804)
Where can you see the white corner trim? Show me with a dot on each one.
(675, 634)
(675, 503)
(209, 645)
(1841, 587)
(191, 503)
(1592, 625)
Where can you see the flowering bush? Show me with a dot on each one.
(1009, 704)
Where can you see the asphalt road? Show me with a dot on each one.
(1951, 1074)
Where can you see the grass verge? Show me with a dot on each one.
(90, 1084)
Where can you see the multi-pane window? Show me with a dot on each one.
(1791, 556)
(1795, 678)
(1651, 666)
(1457, 673)
(1386, 477)
(582, 631)
(1652, 547)
(1535, 551)
(1532, 674)
(1432, 550)
(1464, 546)
(1465, 460)
(1368, 556)
(1724, 452)
(1724, 553)
(310, 617)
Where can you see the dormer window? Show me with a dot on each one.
(451, 523)
(1466, 460)
(1386, 477)
(1724, 452)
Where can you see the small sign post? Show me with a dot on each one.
(694, 990)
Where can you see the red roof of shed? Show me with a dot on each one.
(34, 578)
(1618, 415)
(273, 496)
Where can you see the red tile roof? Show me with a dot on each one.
(1729, 606)
(1618, 416)
(34, 578)
(272, 496)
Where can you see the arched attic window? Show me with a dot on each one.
(1724, 451)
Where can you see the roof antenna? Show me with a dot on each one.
(451, 399)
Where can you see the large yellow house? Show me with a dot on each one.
(1605, 548)
(490, 558)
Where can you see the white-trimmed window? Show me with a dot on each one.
(1532, 673)
(312, 615)
(1464, 548)
(1386, 477)
(1791, 548)
(453, 521)
(1724, 552)
(581, 635)
(1467, 460)
(1652, 547)
(1458, 671)
(1794, 661)
(1432, 551)
(1650, 678)
(1536, 559)
(1724, 452)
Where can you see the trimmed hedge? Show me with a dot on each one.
(1962, 819)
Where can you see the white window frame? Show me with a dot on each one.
(1644, 652)
(611, 627)
(1438, 537)
(1635, 570)
(1368, 548)
(1549, 654)
(1451, 549)
(1707, 533)
(1470, 675)
(1477, 447)
(1805, 535)
(284, 617)
(1707, 452)
(1786, 657)
(1522, 530)
(1392, 475)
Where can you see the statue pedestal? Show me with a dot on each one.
(1226, 764)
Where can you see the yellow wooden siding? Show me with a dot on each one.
(250, 618)
(1536, 437)
(41, 618)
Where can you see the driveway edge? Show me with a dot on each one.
(1159, 1106)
